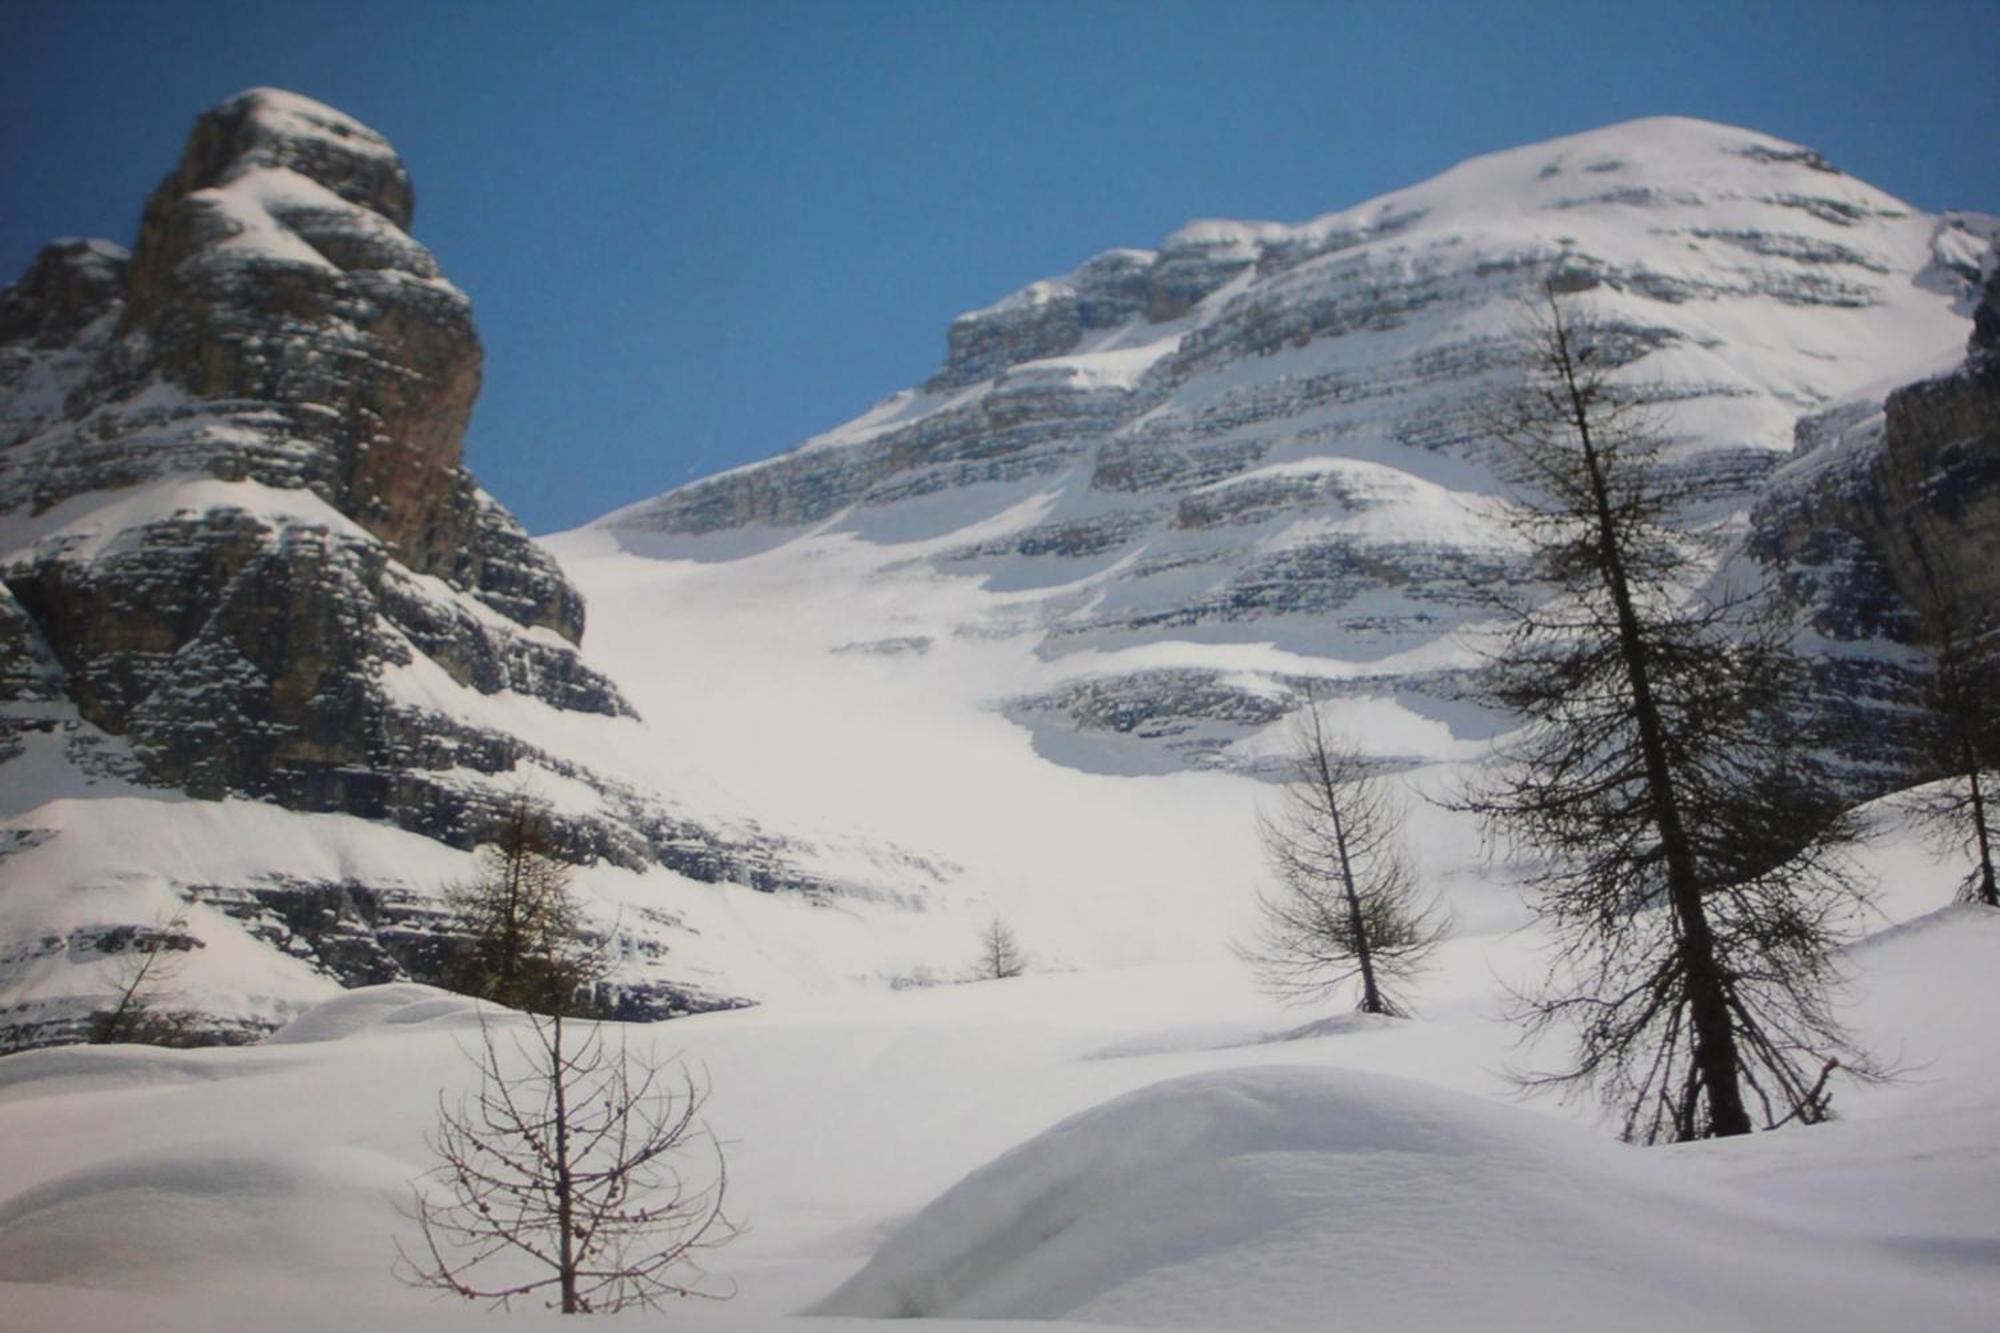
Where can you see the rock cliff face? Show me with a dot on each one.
(1889, 505)
(240, 556)
(1268, 435)
(231, 469)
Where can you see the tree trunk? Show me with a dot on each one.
(1371, 994)
(1716, 1061)
(1371, 997)
(1987, 892)
(565, 1185)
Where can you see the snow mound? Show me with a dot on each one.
(398, 1004)
(60, 1070)
(149, 1219)
(1266, 1198)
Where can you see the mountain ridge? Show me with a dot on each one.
(1181, 419)
(1004, 645)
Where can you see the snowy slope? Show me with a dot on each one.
(1275, 1166)
(1032, 619)
(1190, 477)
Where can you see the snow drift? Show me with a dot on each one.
(1272, 1198)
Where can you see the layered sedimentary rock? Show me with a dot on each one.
(1888, 515)
(235, 497)
(1266, 434)
(241, 557)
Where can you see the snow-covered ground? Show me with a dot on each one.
(1229, 1165)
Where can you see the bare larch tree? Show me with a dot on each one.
(1959, 732)
(564, 1177)
(1000, 954)
(142, 973)
(1688, 865)
(1347, 904)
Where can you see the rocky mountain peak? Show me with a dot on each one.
(231, 495)
(271, 269)
(247, 584)
(265, 128)
(70, 283)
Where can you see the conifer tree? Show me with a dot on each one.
(1000, 954)
(1347, 906)
(1688, 864)
(519, 921)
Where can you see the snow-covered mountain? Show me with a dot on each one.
(1007, 644)
(1197, 475)
(265, 646)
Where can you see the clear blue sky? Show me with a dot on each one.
(696, 232)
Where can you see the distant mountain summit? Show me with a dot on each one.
(1260, 441)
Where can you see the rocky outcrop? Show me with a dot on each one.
(1888, 504)
(1889, 509)
(236, 533)
(274, 323)
(233, 492)
(241, 557)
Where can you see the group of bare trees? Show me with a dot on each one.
(1689, 859)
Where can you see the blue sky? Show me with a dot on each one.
(695, 233)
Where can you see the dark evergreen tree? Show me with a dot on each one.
(1688, 864)
(522, 944)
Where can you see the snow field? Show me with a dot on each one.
(1140, 1147)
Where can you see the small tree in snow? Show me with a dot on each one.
(1960, 726)
(521, 924)
(142, 973)
(1000, 953)
(1348, 907)
(565, 1177)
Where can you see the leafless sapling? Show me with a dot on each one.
(142, 972)
(1688, 866)
(1348, 905)
(568, 1176)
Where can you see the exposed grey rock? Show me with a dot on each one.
(240, 555)
(1885, 507)
(1267, 433)
(275, 325)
